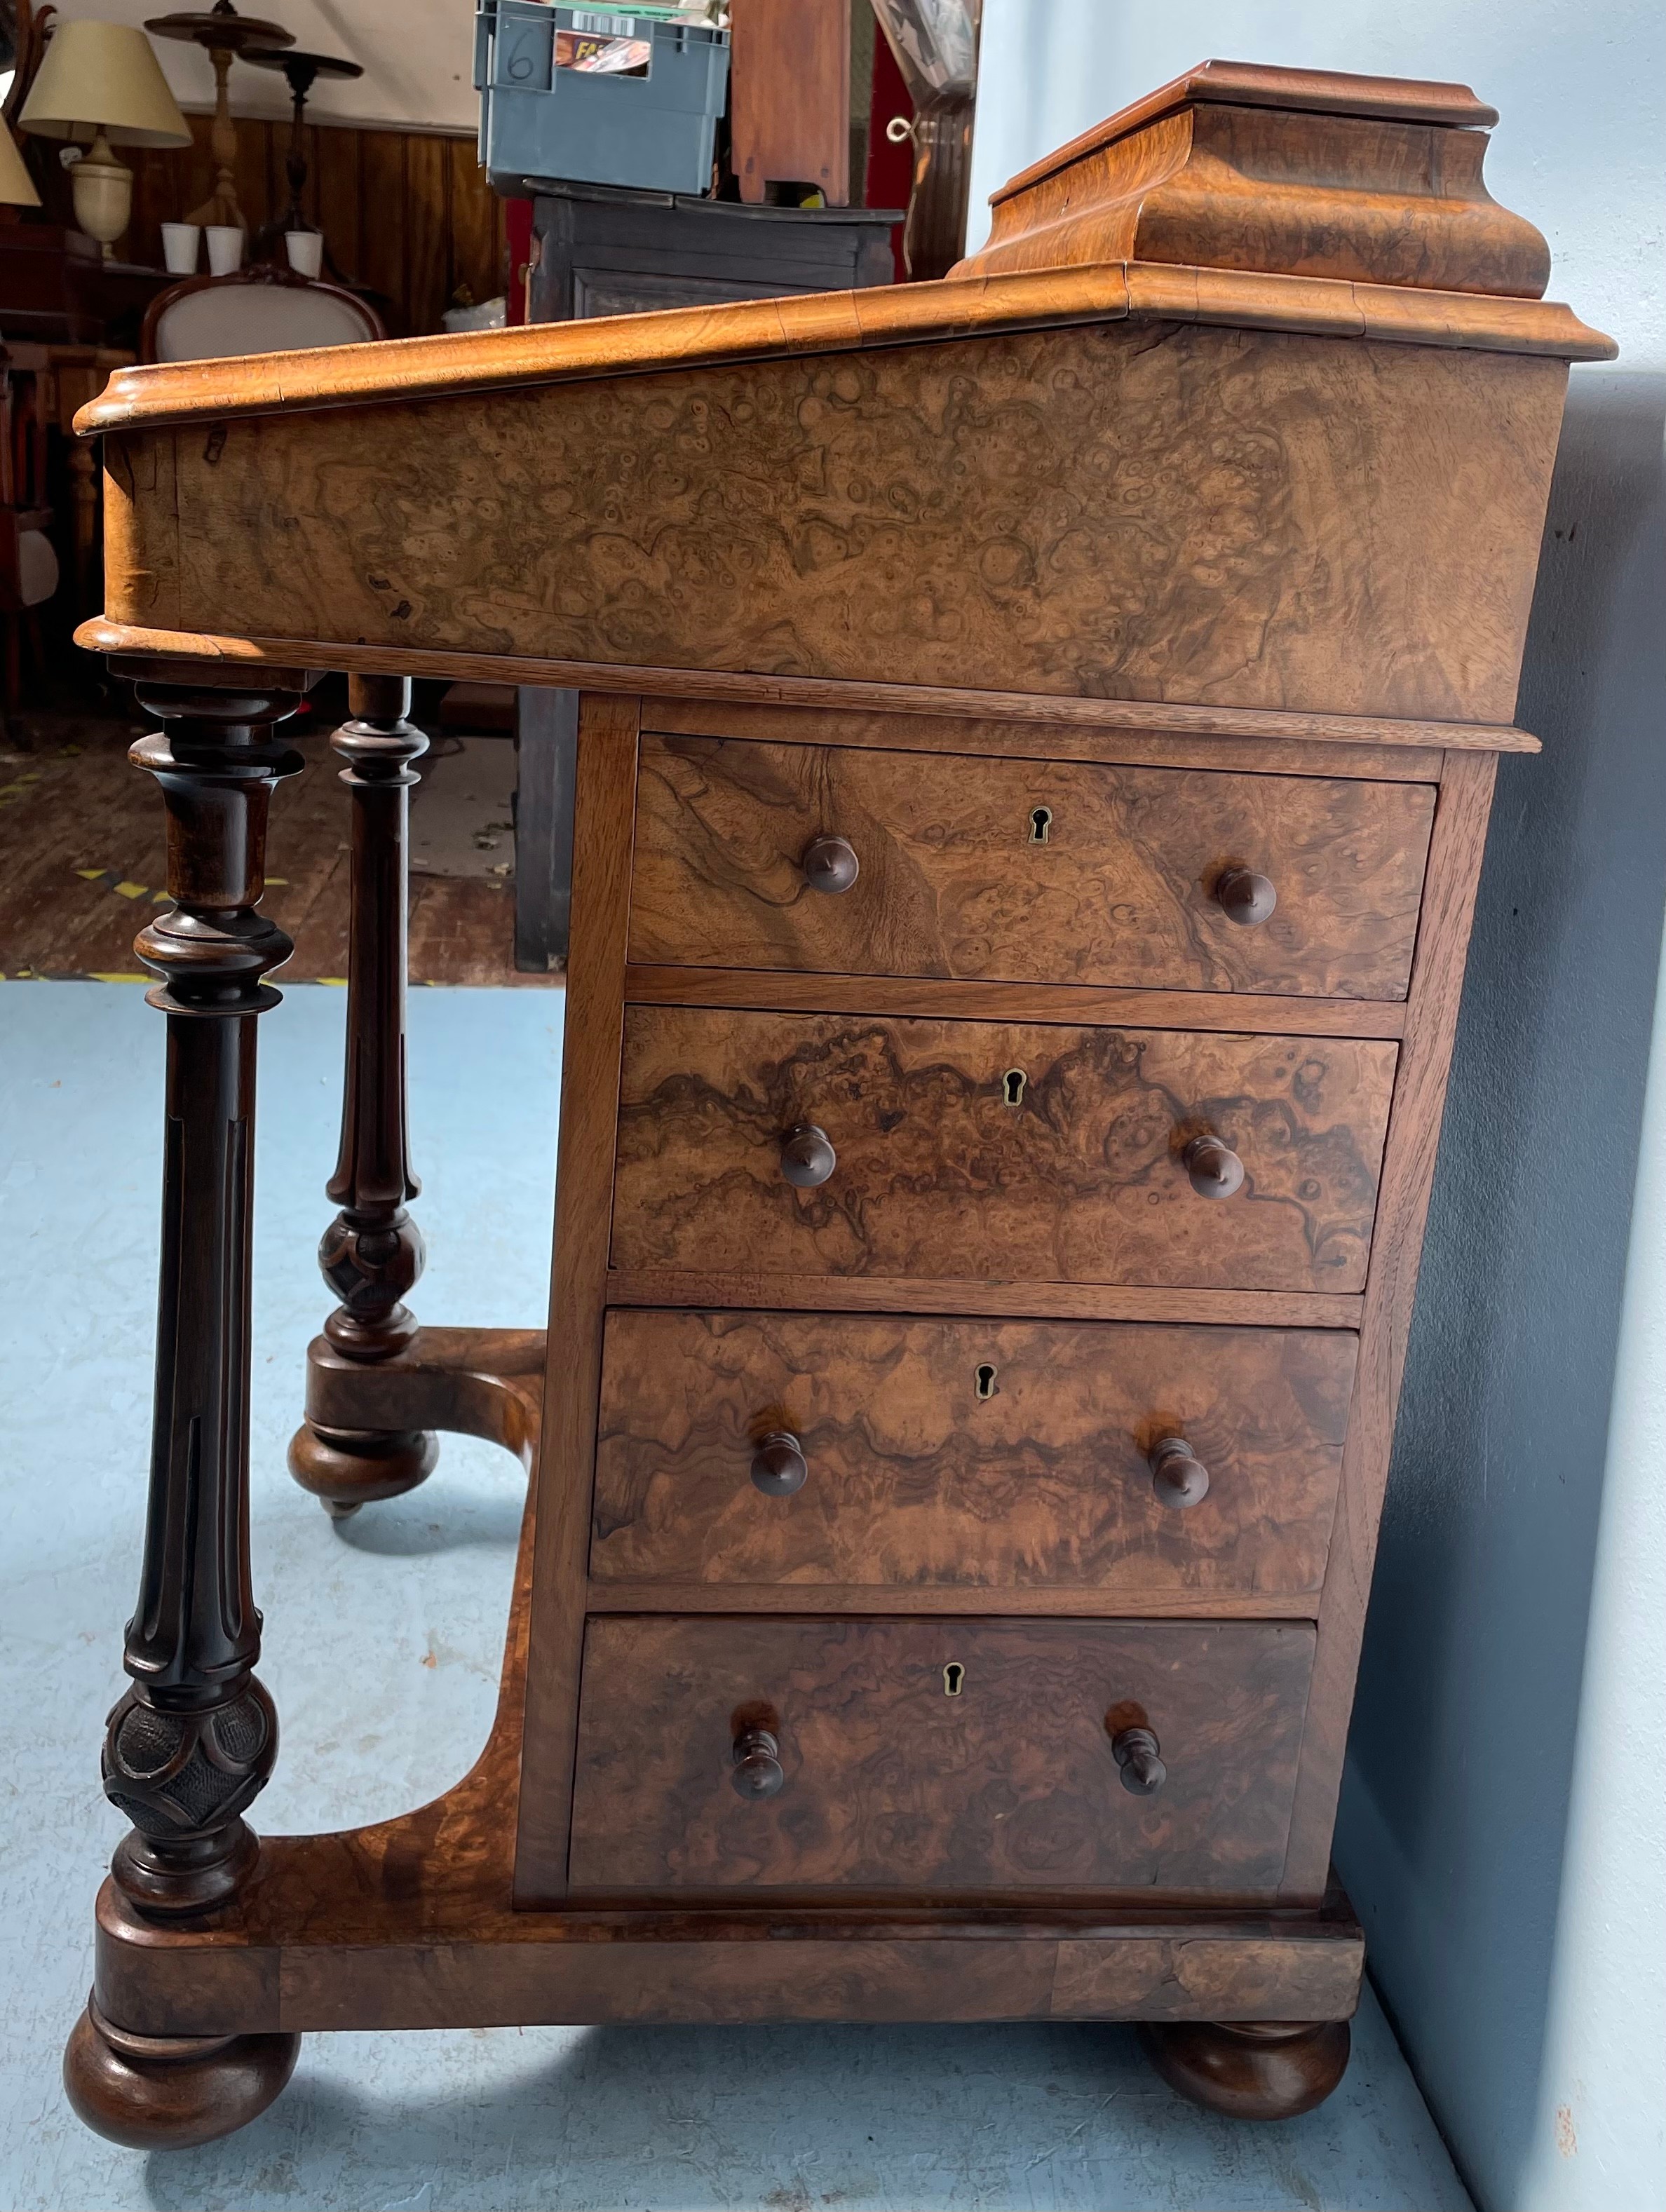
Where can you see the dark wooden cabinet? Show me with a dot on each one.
(1035, 741)
(602, 251)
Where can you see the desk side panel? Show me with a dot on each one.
(1166, 512)
(141, 528)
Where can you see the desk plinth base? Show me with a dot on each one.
(410, 1923)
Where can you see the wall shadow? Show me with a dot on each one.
(1455, 1803)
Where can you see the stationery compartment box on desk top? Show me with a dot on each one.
(590, 94)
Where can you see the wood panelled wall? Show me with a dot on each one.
(406, 215)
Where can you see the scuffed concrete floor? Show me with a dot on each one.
(382, 1651)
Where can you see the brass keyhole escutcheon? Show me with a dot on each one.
(986, 1380)
(1013, 1085)
(953, 1675)
(1041, 821)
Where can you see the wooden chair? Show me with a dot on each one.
(260, 310)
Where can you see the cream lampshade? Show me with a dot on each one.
(102, 81)
(17, 184)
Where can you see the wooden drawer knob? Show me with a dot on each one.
(831, 864)
(1136, 1753)
(778, 1467)
(1243, 897)
(807, 1157)
(757, 1772)
(1216, 1169)
(1177, 1474)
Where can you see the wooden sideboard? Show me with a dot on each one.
(1034, 756)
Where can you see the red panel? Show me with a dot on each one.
(890, 169)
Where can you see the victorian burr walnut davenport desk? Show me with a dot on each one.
(1037, 737)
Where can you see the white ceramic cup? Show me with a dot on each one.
(306, 252)
(181, 243)
(225, 248)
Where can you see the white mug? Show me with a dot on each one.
(225, 248)
(306, 252)
(181, 243)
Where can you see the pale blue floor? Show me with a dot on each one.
(382, 1647)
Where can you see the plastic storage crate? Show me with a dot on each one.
(543, 121)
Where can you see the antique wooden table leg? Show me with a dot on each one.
(372, 1252)
(192, 1741)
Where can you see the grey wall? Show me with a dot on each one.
(1455, 1806)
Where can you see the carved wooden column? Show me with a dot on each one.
(194, 1740)
(372, 1253)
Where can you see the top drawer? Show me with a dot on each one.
(1046, 871)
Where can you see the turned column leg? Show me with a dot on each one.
(372, 1252)
(192, 1742)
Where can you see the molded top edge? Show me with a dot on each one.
(409, 369)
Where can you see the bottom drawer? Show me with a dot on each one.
(936, 1756)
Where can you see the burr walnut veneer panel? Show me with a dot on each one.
(995, 1455)
(1081, 1180)
(1161, 511)
(894, 1783)
(1044, 872)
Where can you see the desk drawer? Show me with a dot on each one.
(1039, 871)
(995, 1151)
(936, 1756)
(968, 1454)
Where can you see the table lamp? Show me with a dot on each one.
(17, 184)
(102, 81)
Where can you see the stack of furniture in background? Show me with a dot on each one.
(760, 205)
(411, 226)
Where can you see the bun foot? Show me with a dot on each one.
(168, 2091)
(345, 1468)
(1250, 2069)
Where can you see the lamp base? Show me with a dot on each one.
(102, 189)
